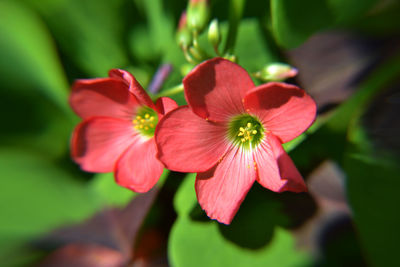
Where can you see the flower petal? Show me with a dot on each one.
(188, 143)
(98, 142)
(138, 168)
(276, 170)
(287, 169)
(133, 85)
(215, 89)
(165, 105)
(285, 110)
(102, 97)
(221, 190)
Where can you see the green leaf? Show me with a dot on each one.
(36, 198)
(89, 32)
(28, 58)
(261, 52)
(294, 21)
(372, 188)
(109, 192)
(198, 243)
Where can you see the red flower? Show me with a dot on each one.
(231, 134)
(117, 132)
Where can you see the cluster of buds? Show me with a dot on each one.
(192, 23)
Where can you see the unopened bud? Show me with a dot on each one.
(183, 35)
(214, 34)
(197, 15)
(276, 72)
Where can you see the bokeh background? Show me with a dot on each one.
(53, 214)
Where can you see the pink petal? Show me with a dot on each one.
(102, 97)
(215, 89)
(188, 143)
(221, 190)
(133, 86)
(138, 168)
(284, 109)
(165, 105)
(287, 169)
(276, 170)
(98, 142)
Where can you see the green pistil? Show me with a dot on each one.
(145, 121)
(246, 131)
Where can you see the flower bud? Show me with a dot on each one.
(276, 72)
(214, 34)
(197, 15)
(183, 35)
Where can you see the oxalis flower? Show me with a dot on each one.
(117, 131)
(231, 134)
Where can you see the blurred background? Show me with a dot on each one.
(347, 53)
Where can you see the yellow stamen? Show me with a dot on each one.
(147, 116)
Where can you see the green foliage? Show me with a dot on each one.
(293, 21)
(198, 243)
(372, 185)
(28, 57)
(89, 32)
(37, 196)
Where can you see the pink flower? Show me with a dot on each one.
(231, 134)
(117, 131)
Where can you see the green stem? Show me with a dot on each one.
(236, 8)
(172, 91)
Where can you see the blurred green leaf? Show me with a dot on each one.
(372, 188)
(28, 58)
(261, 53)
(109, 192)
(295, 21)
(89, 32)
(197, 243)
(37, 197)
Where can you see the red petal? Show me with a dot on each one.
(133, 86)
(276, 170)
(188, 143)
(284, 109)
(165, 105)
(221, 190)
(287, 169)
(98, 142)
(138, 168)
(102, 97)
(215, 89)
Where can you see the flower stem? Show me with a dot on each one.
(172, 91)
(236, 8)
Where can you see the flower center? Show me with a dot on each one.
(246, 131)
(145, 121)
